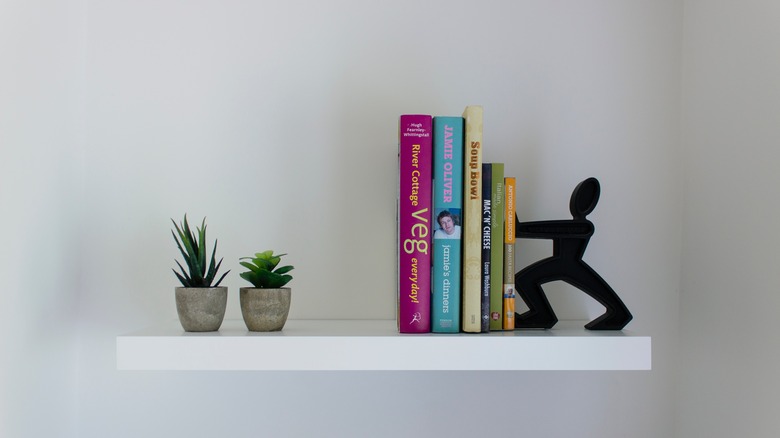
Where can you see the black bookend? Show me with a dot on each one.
(570, 238)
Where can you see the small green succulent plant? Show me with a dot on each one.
(200, 273)
(263, 271)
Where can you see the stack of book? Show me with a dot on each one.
(456, 236)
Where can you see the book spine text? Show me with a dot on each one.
(447, 215)
(414, 223)
(509, 253)
(472, 220)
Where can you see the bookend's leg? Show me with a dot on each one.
(617, 315)
(528, 285)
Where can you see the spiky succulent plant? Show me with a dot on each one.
(263, 271)
(193, 249)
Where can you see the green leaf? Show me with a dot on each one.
(191, 258)
(273, 280)
(286, 279)
(265, 255)
(263, 264)
(221, 278)
(183, 271)
(184, 282)
(250, 266)
(261, 270)
(213, 268)
(192, 247)
(181, 250)
(202, 247)
(275, 260)
(284, 269)
(211, 278)
(279, 281)
(198, 260)
(187, 258)
(252, 278)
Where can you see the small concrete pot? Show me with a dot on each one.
(265, 310)
(201, 309)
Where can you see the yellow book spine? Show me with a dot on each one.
(471, 299)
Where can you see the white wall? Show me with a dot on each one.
(40, 131)
(277, 121)
(729, 330)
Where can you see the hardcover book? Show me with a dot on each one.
(509, 253)
(447, 210)
(487, 220)
(472, 221)
(415, 168)
(497, 249)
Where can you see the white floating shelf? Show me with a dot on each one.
(309, 345)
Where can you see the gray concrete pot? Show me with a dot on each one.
(265, 310)
(201, 309)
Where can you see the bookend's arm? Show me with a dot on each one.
(553, 229)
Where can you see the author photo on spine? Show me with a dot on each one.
(449, 225)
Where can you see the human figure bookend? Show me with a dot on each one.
(570, 238)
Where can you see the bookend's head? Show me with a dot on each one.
(584, 198)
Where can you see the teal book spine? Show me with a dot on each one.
(448, 217)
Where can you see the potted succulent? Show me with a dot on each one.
(266, 305)
(200, 302)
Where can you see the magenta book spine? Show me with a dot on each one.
(415, 167)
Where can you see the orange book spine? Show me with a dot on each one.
(509, 253)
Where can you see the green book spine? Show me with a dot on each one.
(497, 249)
